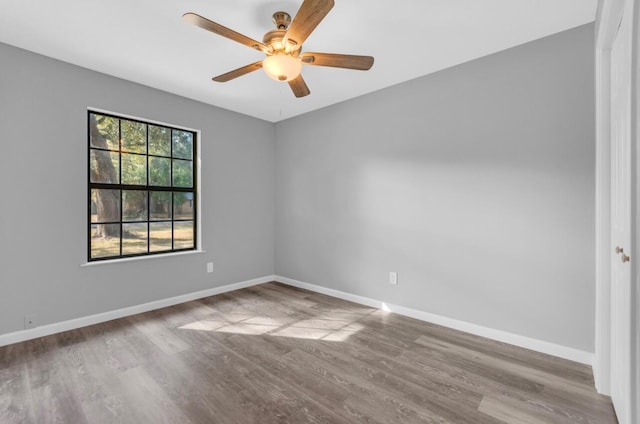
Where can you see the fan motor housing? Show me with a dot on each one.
(274, 40)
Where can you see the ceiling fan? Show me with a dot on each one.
(283, 46)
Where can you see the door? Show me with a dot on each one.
(622, 164)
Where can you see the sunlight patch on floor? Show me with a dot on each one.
(302, 333)
(242, 328)
(338, 325)
(204, 325)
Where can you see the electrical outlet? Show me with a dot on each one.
(30, 322)
(209, 266)
(393, 278)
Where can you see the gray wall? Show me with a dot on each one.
(475, 184)
(43, 107)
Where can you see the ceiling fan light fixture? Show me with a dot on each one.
(283, 46)
(282, 67)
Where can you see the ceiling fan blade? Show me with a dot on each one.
(348, 61)
(216, 28)
(238, 72)
(299, 87)
(307, 19)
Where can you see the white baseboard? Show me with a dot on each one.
(490, 333)
(502, 336)
(58, 327)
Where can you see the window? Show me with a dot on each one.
(142, 188)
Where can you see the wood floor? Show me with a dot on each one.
(276, 354)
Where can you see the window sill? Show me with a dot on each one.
(142, 258)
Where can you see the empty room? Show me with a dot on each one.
(320, 211)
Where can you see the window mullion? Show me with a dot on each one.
(148, 193)
(120, 181)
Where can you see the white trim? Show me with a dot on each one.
(58, 327)
(198, 162)
(607, 22)
(141, 258)
(634, 396)
(502, 336)
(490, 333)
(608, 17)
(602, 360)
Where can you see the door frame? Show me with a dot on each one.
(607, 21)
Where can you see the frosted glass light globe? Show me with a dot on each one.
(282, 67)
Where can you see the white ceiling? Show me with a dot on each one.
(146, 41)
